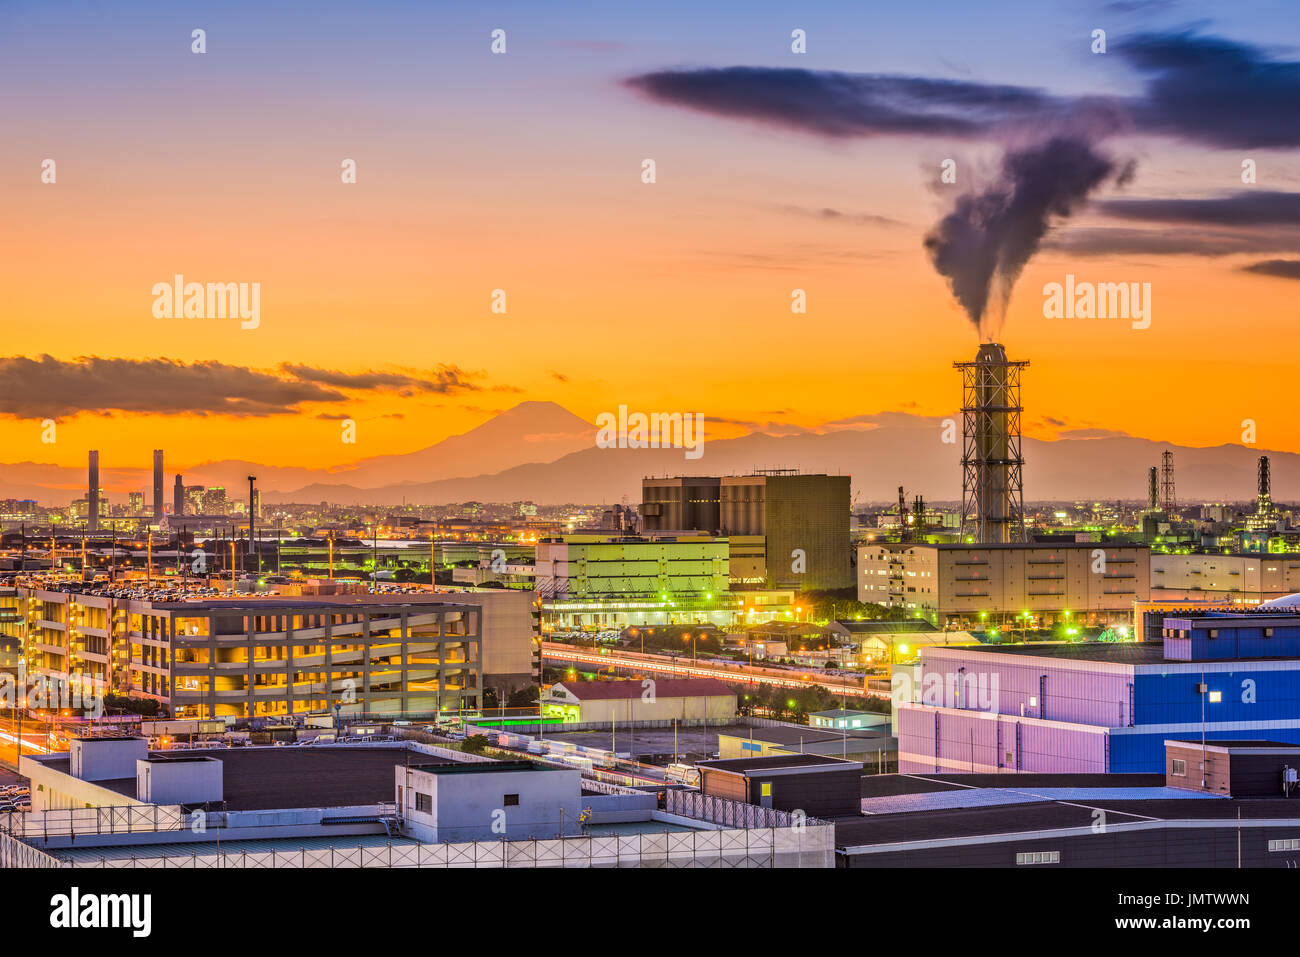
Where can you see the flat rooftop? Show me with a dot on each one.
(938, 808)
(266, 778)
(1119, 652)
(778, 762)
(305, 601)
(1225, 744)
(495, 767)
(800, 735)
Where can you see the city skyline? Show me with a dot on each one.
(529, 181)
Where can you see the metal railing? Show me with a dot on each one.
(735, 814)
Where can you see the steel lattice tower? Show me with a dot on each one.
(1168, 499)
(992, 494)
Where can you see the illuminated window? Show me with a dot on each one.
(1290, 844)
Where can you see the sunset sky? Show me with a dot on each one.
(522, 172)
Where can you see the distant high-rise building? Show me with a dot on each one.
(135, 502)
(214, 500)
(194, 499)
(157, 485)
(178, 497)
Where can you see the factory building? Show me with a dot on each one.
(1250, 578)
(969, 586)
(594, 566)
(787, 529)
(1103, 707)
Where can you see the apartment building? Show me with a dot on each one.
(249, 657)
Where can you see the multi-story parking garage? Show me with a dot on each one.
(246, 657)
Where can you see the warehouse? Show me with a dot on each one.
(1104, 707)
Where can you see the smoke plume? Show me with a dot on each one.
(983, 243)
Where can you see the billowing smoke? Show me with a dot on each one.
(984, 242)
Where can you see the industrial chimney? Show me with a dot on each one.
(1153, 490)
(252, 524)
(157, 485)
(92, 496)
(993, 509)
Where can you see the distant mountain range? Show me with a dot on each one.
(541, 452)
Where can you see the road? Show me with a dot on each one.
(731, 671)
(35, 739)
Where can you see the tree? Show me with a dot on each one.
(475, 744)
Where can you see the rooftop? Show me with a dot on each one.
(662, 688)
(801, 735)
(910, 626)
(781, 762)
(1234, 745)
(263, 778)
(1119, 652)
(494, 767)
(944, 807)
(305, 601)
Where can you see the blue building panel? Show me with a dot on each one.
(1247, 692)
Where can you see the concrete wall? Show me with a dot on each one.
(936, 740)
(507, 630)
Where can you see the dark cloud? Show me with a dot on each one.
(1199, 88)
(559, 376)
(829, 214)
(1120, 240)
(1242, 208)
(444, 381)
(46, 387)
(1213, 90)
(1280, 268)
(847, 104)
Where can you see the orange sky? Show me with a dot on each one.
(672, 296)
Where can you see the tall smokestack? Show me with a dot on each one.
(252, 523)
(157, 485)
(1264, 499)
(1168, 499)
(1153, 490)
(993, 509)
(178, 497)
(92, 522)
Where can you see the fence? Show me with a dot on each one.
(15, 853)
(704, 807)
(127, 819)
(746, 848)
